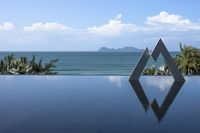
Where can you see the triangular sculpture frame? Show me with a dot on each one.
(159, 49)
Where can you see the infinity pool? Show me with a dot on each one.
(98, 104)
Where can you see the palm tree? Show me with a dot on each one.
(188, 60)
(10, 65)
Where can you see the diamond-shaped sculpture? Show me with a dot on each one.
(159, 49)
(176, 86)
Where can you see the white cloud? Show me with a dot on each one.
(167, 18)
(113, 28)
(45, 27)
(172, 21)
(119, 16)
(117, 80)
(161, 83)
(7, 26)
(115, 34)
(162, 22)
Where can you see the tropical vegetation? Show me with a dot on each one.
(12, 65)
(187, 61)
(153, 70)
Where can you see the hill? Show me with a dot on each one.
(125, 49)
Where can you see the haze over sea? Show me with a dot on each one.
(91, 63)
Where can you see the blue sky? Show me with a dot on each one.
(87, 25)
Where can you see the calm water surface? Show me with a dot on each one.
(98, 104)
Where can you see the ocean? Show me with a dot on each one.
(91, 63)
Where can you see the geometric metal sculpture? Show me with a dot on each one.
(176, 86)
(141, 65)
(159, 49)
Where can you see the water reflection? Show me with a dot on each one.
(159, 111)
(140, 94)
(161, 83)
(117, 80)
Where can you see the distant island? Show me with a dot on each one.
(125, 49)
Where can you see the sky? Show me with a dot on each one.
(87, 25)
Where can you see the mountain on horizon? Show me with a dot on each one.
(124, 49)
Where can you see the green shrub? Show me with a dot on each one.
(11, 65)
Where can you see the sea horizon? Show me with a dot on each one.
(90, 63)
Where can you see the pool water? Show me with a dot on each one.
(99, 104)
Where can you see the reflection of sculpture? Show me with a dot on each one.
(159, 111)
(140, 94)
(177, 84)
